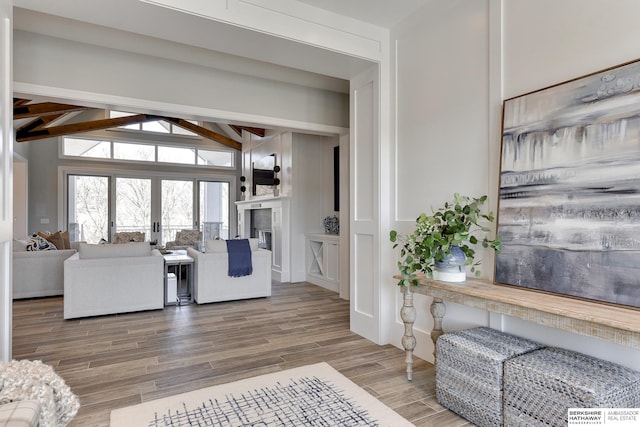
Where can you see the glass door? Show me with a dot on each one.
(158, 207)
(88, 208)
(133, 206)
(213, 209)
(177, 208)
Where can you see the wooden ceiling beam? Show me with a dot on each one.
(50, 132)
(43, 109)
(204, 132)
(256, 131)
(47, 112)
(39, 123)
(20, 101)
(236, 129)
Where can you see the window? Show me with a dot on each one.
(88, 208)
(138, 152)
(184, 156)
(75, 147)
(99, 206)
(147, 152)
(215, 158)
(158, 126)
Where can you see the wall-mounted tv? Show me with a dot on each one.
(262, 175)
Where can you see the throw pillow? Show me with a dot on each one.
(188, 237)
(128, 236)
(216, 246)
(55, 239)
(39, 243)
(66, 239)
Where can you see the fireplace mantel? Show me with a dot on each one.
(280, 231)
(260, 202)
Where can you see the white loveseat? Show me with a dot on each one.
(38, 273)
(108, 279)
(212, 283)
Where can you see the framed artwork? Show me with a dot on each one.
(569, 209)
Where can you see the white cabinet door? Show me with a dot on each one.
(332, 261)
(323, 261)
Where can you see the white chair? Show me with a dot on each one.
(128, 236)
(108, 279)
(186, 239)
(212, 283)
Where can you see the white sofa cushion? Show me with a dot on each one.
(22, 413)
(20, 245)
(39, 273)
(124, 250)
(220, 246)
(216, 246)
(212, 283)
(108, 285)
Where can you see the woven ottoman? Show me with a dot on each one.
(540, 386)
(469, 367)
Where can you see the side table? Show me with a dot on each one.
(181, 265)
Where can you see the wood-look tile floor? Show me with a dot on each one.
(122, 360)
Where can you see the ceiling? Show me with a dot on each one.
(383, 13)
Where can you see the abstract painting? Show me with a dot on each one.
(569, 209)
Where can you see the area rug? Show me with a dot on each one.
(314, 395)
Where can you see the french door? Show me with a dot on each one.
(155, 206)
(133, 209)
(213, 209)
(177, 202)
(100, 206)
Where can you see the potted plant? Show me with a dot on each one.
(444, 239)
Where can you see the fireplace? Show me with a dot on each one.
(261, 227)
(264, 239)
(268, 220)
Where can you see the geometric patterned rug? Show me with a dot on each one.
(314, 395)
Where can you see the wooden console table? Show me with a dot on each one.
(611, 323)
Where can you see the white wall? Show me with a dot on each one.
(20, 194)
(312, 190)
(75, 69)
(441, 126)
(455, 64)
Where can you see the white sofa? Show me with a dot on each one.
(212, 283)
(38, 273)
(108, 279)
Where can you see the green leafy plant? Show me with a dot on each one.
(455, 224)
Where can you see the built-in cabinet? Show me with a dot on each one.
(323, 260)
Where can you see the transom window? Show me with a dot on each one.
(158, 126)
(147, 152)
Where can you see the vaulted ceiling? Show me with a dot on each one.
(48, 119)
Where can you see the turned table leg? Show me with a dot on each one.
(438, 311)
(408, 315)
